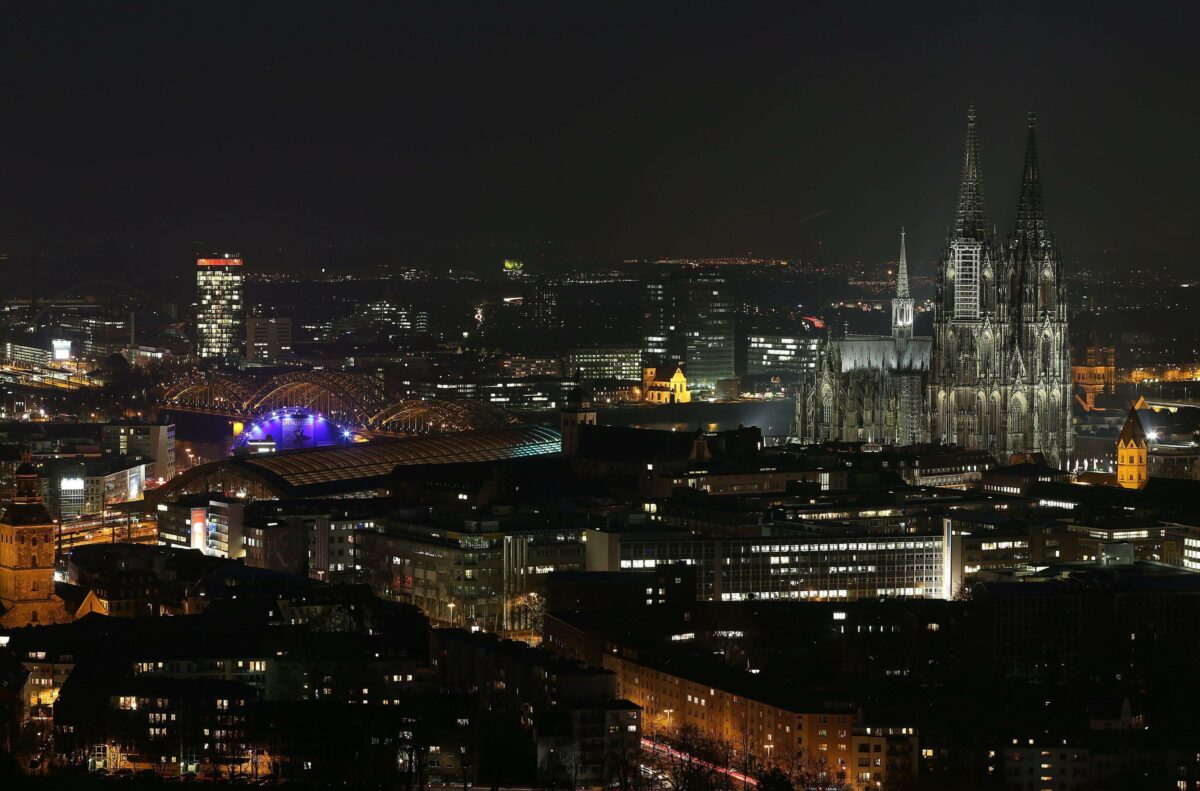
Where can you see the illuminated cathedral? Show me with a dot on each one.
(996, 373)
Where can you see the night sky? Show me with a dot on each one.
(133, 131)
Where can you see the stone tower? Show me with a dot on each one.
(1000, 374)
(27, 553)
(1132, 453)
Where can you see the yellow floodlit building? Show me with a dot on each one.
(665, 391)
(1132, 454)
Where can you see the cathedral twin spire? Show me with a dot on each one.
(1031, 218)
(970, 221)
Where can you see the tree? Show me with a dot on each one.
(774, 779)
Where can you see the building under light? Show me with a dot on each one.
(774, 353)
(606, 362)
(268, 340)
(219, 301)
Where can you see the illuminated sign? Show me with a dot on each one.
(133, 486)
(199, 522)
(70, 485)
(513, 265)
(62, 349)
(218, 262)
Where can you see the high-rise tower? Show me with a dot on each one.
(219, 303)
(689, 319)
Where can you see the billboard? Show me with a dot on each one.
(199, 524)
(62, 349)
(218, 262)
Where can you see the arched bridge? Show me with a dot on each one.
(351, 399)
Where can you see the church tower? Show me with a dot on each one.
(970, 324)
(577, 411)
(27, 558)
(1000, 375)
(902, 304)
(1038, 306)
(1132, 453)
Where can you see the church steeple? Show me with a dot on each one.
(902, 304)
(902, 272)
(970, 220)
(1031, 216)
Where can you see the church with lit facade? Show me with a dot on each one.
(870, 388)
(27, 549)
(995, 374)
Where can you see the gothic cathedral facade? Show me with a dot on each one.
(1000, 377)
(996, 373)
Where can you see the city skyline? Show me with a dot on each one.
(566, 397)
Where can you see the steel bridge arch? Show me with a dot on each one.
(213, 391)
(352, 397)
(437, 417)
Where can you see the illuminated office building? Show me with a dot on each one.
(690, 320)
(605, 362)
(219, 300)
(152, 444)
(821, 567)
(774, 353)
(85, 487)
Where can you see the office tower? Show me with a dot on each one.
(219, 301)
(689, 319)
(541, 305)
(268, 340)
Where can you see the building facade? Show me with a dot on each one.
(689, 319)
(153, 444)
(1000, 376)
(605, 362)
(770, 353)
(219, 305)
(839, 567)
(869, 388)
(268, 340)
(996, 373)
(27, 531)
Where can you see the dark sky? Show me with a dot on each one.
(645, 129)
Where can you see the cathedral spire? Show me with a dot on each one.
(1031, 217)
(902, 303)
(970, 222)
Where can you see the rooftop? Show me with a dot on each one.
(332, 471)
